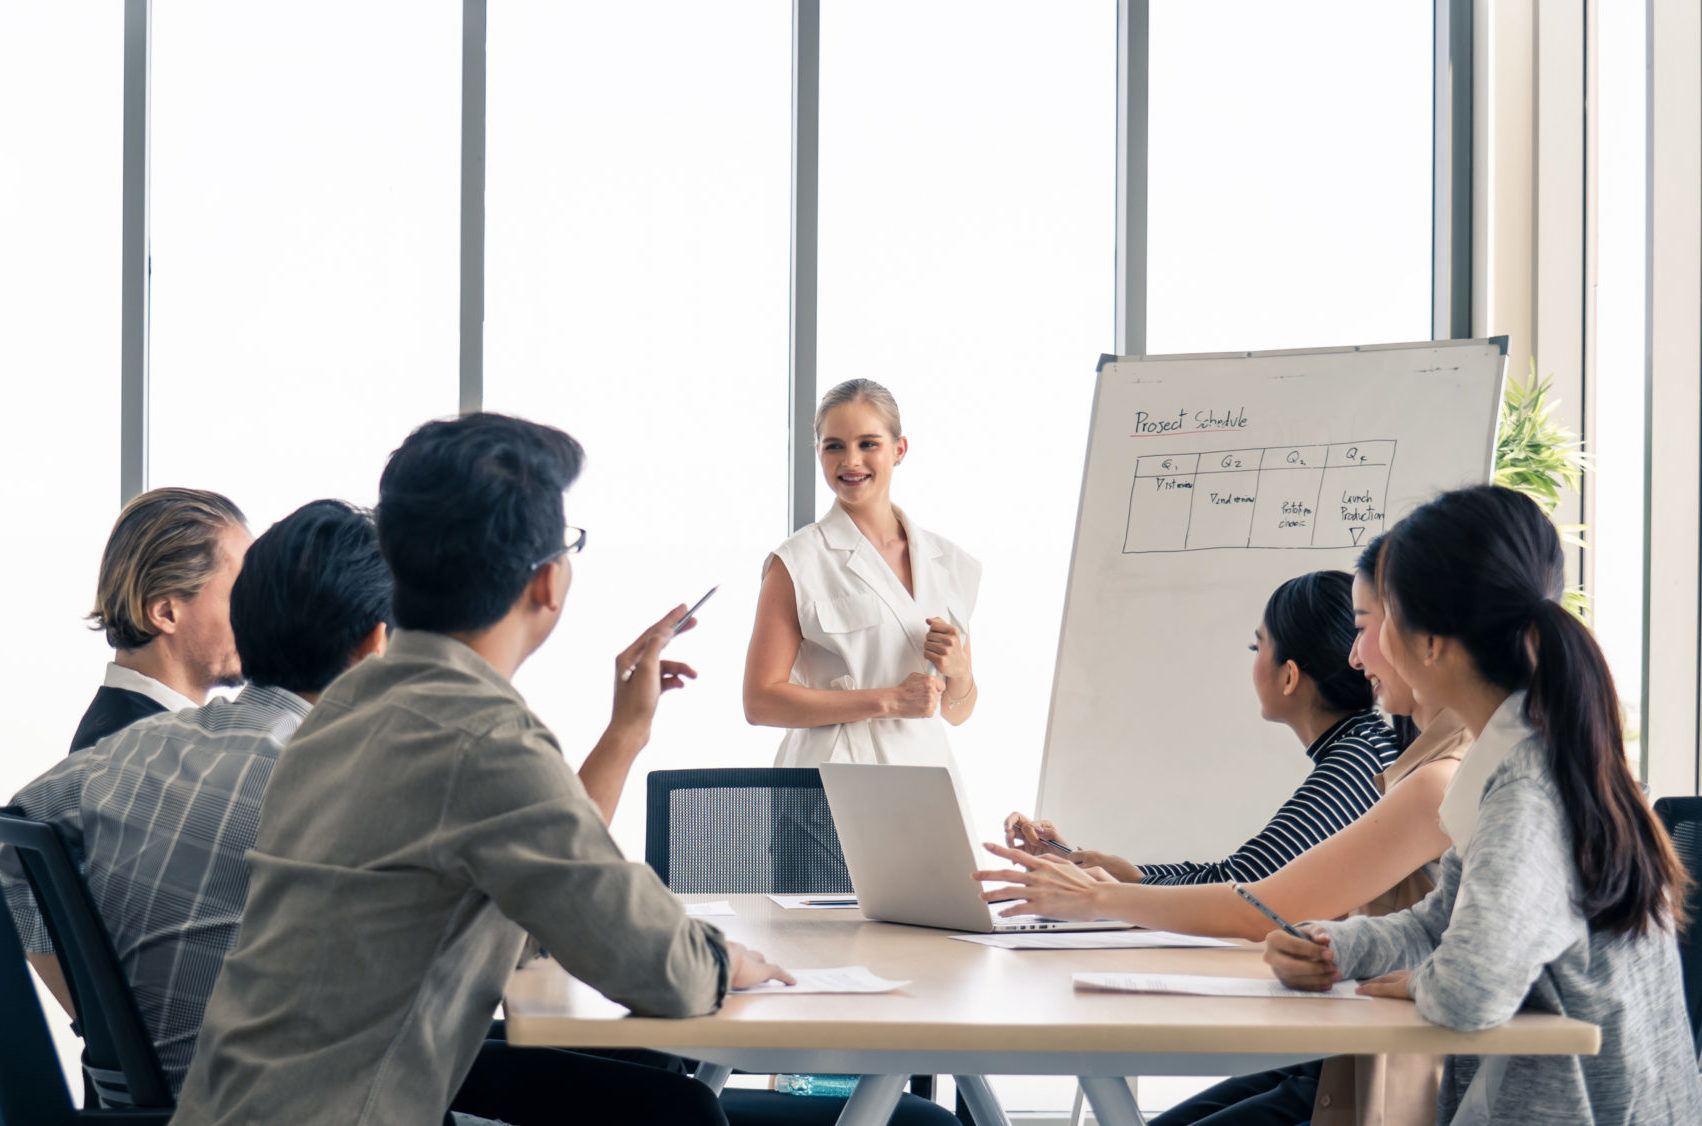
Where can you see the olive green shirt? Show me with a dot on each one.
(420, 824)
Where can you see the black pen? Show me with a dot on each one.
(1269, 914)
(842, 902)
(1063, 848)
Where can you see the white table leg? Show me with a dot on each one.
(1112, 1102)
(978, 1096)
(874, 1100)
(713, 1075)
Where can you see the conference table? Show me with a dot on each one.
(971, 1010)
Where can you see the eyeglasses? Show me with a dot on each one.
(575, 543)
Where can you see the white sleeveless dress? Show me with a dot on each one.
(862, 629)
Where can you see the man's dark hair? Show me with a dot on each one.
(468, 509)
(311, 587)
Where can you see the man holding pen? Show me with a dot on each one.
(423, 822)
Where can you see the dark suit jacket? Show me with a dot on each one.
(112, 710)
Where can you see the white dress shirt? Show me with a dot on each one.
(1499, 738)
(167, 697)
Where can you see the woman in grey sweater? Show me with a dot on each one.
(1560, 891)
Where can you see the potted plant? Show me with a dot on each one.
(1539, 457)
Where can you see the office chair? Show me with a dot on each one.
(123, 1071)
(732, 831)
(735, 831)
(1683, 820)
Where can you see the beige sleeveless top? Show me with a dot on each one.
(1393, 1090)
(1445, 738)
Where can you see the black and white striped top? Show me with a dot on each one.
(162, 813)
(1346, 760)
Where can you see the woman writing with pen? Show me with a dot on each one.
(1561, 891)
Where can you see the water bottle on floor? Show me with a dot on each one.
(835, 1086)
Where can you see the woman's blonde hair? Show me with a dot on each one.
(864, 390)
(164, 543)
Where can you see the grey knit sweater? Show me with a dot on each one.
(1502, 931)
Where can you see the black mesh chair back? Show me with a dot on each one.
(118, 1058)
(1683, 820)
(32, 1088)
(733, 831)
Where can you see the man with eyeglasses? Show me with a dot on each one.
(423, 822)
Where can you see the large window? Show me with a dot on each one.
(62, 132)
(1617, 445)
(1290, 158)
(304, 280)
(637, 272)
(61, 77)
(968, 224)
(305, 243)
(967, 238)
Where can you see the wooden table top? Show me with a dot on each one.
(967, 997)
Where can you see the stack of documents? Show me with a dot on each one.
(1205, 986)
(711, 909)
(1089, 940)
(838, 979)
(814, 902)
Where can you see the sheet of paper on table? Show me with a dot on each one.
(824, 902)
(1090, 940)
(838, 979)
(1205, 986)
(712, 909)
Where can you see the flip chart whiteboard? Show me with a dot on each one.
(1211, 480)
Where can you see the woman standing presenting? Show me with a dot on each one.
(861, 631)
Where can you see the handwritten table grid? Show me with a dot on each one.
(1281, 497)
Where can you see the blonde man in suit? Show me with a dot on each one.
(163, 601)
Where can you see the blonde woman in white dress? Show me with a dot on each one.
(861, 644)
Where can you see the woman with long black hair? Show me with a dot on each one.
(1384, 862)
(1561, 890)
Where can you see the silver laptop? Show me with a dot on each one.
(909, 851)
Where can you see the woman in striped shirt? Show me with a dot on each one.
(1384, 862)
(1303, 678)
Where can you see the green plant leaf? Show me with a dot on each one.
(1539, 457)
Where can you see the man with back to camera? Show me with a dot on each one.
(163, 811)
(163, 599)
(424, 821)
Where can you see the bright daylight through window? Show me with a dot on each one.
(304, 287)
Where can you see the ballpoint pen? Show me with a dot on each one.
(627, 674)
(1269, 914)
